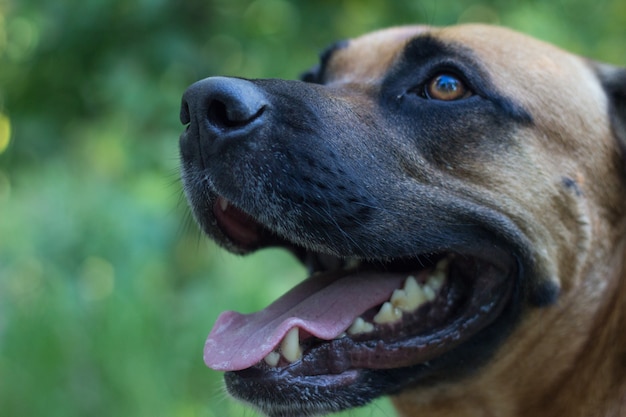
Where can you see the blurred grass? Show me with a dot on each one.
(107, 290)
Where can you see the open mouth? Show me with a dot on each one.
(355, 315)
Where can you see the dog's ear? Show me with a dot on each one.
(613, 80)
(316, 74)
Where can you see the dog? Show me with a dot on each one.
(458, 195)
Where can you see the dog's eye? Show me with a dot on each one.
(446, 87)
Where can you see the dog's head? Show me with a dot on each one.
(444, 186)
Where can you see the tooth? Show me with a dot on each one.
(290, 346)
(272, 359)
(429, 293)
(410, 297)
(223, 203)
(387, 314)
(438, 276)
(436, 281)
(400, 299)
(360, 326)
(411, 286)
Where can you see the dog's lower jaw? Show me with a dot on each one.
(350, 383)
(323, 381)
(313, 401)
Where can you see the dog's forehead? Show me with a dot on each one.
(504, 51)
(537, 74)
(370, 56)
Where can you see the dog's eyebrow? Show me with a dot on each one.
(316, 74)
(426, 48)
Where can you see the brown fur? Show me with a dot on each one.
(568, 359)
(557, 175)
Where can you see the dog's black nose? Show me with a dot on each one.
(223, 105)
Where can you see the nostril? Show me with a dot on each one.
(228, 117)
(185, 117)
(220, 105)
(218, 115)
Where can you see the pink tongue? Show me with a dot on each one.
(324, 306)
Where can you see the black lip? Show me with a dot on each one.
(353, 371)
(256, 388)
(339, 384)
(343, 369)
(432, 220)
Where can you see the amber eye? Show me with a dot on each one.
(446, 87)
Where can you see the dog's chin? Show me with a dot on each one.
(364, 327)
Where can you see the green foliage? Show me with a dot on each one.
(107, 290)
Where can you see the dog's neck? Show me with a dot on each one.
(600, 356)
(601, 360)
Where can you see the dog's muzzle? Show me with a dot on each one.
(390, 298)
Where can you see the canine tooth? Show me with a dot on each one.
(272, 359)
(360, 326)
(387, 314)
(290, 346)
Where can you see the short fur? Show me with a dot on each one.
(535, 159)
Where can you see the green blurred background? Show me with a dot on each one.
(107, 290)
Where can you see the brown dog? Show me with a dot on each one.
(459, 196)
